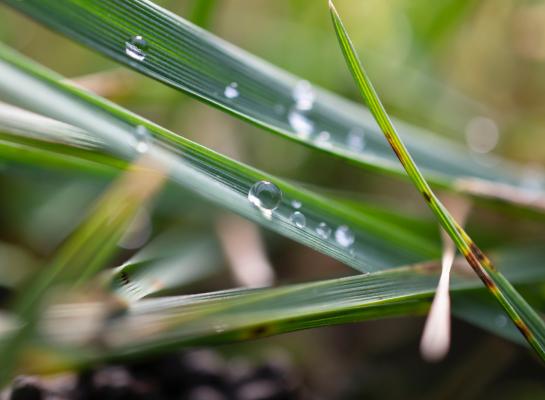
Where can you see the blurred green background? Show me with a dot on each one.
(455, 67)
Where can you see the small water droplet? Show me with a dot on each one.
(344, 236)
(323, 139)
(356, 139)
(231, 90)
(299, 219)
(266, 196)
(143, 139)
(300, 123)
(296, 204)
(323, 230)
(136, 48)
(304, 95)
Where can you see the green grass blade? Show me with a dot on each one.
(526, 319)
(210, 175)
(190, 59)
(163, 323)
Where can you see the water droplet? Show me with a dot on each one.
(231, 91)
(143, 139)
(482, 135)
(136, 48)
(296, 204)
(356, 139)
(266, 196)
(300, 123)
(344, 236)
(304, 95)
(323, 139)
(323, 230)
(299, 219)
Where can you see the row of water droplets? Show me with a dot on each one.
(266, 197)
(303, 96)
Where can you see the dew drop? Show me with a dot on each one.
(136, 48)
(304, 95)
(296, 204)
(344, 236)
(323, 139)
(266, 196)
(356, 139)
(143, 139)
(323, 230)
(298, 219)
(231, 90)
(300, 123)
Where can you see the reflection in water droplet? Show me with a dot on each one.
(136, 48)
(298, 219)
(323, 139)
(355, 139)
(344, 236)
(296, 204)
(304, 95)
(323, 230)
(266, 196)
(482, 135)
(231, 91)
(143, 139)
(300, 123)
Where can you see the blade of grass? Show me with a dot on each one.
(523, 315)
(160, 324)
(216, 178)
(192, 60)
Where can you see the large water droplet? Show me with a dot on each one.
(266, 196)
(143, 139)
(300, 123)
(304, 95)
(231, 90)
(323, 230)
(299, 220)
(344, 236)
(355, 140)
(136, 48)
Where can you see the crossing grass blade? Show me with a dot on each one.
(196, 62)
(160, 324)
(530, 324)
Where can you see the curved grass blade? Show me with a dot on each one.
(212, 176)
(160, 324)
(523, 315)
(188, 58)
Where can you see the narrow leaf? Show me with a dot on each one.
(522, 314)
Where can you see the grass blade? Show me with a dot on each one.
(241, 314)
(216, 178)
(194, 61)
(526, 319)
